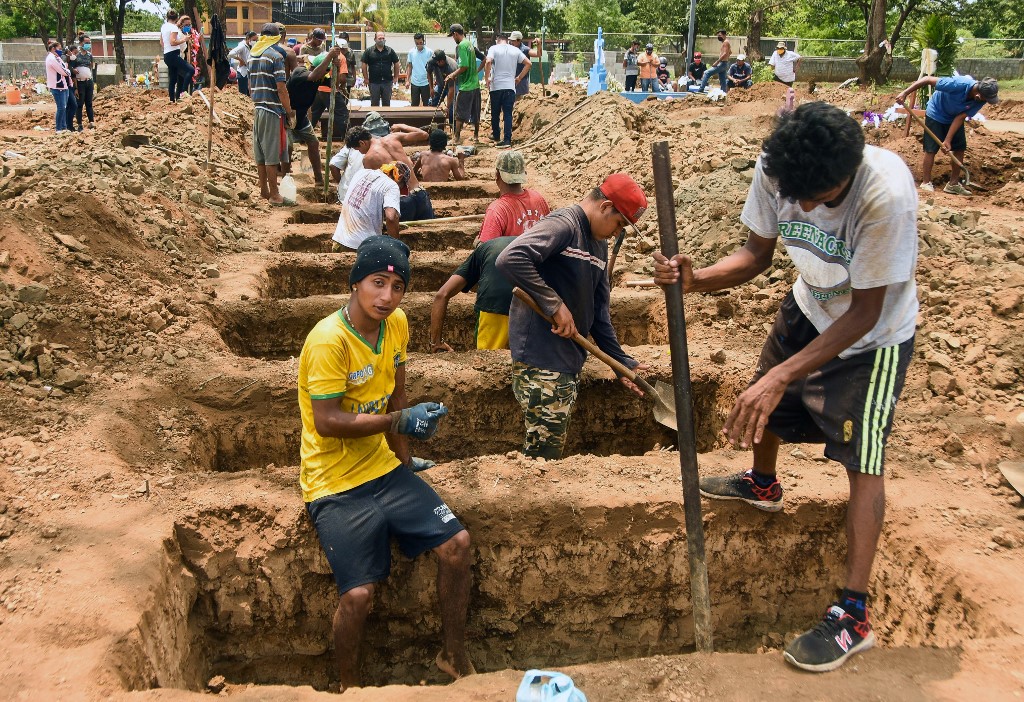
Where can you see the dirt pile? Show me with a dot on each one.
(105, 249)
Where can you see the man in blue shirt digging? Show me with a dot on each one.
(955, 99)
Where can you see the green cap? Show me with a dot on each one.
(511, 167)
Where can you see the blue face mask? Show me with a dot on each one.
(187, 29)
(60, 52)
(86, 47)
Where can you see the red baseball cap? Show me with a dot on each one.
(625, 195)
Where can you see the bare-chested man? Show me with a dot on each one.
(391, 148)
(435, 166)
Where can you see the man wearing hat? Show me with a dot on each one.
(467, 100)
(380, 70)
(517, 208)
(561, 263)
(314, 45)
(629, 64)
(372, 200)
(358, 475)
(272, 111)
(786, 63)
(504, 68)
(516, 39)
(721, 66)
(510, 215)
(695, 71)
(302, 90)
(648, 63)
(955, 100)
(740, 73)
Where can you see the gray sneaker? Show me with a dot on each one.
(957, 189)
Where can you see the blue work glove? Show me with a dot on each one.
(417, 464)
(419, 422)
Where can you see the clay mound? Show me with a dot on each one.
(769, 92)
(1006, 109)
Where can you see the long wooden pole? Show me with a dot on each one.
(686, 439)
(330, 117)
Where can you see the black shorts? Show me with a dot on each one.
(847, 404)
(784, 82)
(958, 143)
(355, 526)
(467, 106)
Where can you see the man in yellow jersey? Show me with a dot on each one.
(358, 474)
(493, 298)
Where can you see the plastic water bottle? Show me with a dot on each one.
(287, 188)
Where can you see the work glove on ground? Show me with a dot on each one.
(417, 464)
(419, 422)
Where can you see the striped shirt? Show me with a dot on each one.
(265, 72)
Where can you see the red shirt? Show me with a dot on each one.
(511, 215)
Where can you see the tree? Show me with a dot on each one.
(585, 16)
(361, 11)
(938, 32)
(408, 16)
(48, 18)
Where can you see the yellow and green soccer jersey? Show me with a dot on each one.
(337, 363)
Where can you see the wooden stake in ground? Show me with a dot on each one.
(330, 131)
(209, 128)
(699, 593)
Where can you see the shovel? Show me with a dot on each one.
(141, 141)
(662, 394)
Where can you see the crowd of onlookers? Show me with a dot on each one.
(648, 72)
(70, 75)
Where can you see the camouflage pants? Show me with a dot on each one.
(547, 398)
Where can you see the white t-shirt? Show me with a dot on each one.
(167, 30)
(506, 62)
(868, 241)
(784, 65)
(349, 162)
(362, 211)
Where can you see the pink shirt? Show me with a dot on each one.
(511, 215)
(57, 74)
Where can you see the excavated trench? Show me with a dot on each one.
(307, 275)
(278, 328)
(484, 418)
(558, 580)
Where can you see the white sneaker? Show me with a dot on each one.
(927, 187)
(957, 189)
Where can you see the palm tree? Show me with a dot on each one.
(361, 11)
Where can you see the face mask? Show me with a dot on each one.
(721, 39)
(86, 47)
(60, 52)
(187, 29)
(250, 42)
(650, 51)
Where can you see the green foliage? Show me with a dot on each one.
(13, 23)
(585, 16)
(937, 32)
(408, 16)
(138, 21)
(761, 72)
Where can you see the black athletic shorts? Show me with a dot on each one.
(847, 404)
(467, 106)
(355, 526)
(958, 143)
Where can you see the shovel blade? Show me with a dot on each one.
(665, 405)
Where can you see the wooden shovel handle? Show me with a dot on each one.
(587, 344)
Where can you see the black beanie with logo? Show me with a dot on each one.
(378, 254)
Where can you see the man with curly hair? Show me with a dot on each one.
(835, 360)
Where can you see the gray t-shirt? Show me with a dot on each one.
(868, 241)
(507, 60)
